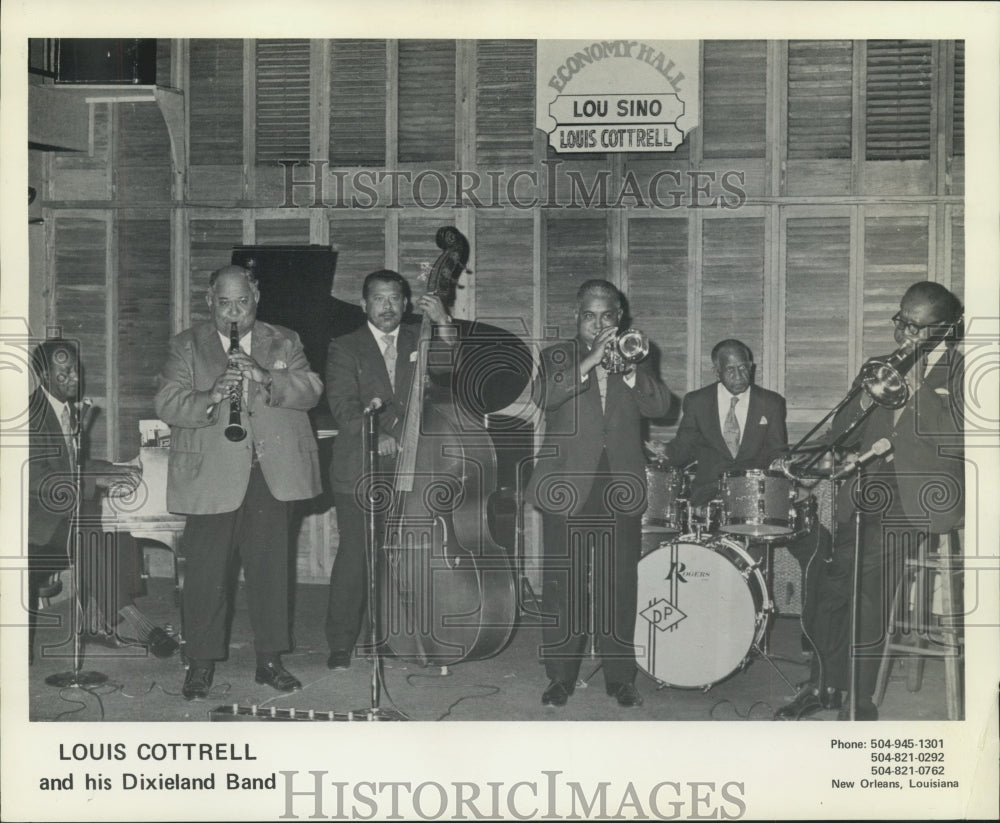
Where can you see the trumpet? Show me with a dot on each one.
(629, 347)
(235, 430)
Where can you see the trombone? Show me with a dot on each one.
(884, 381)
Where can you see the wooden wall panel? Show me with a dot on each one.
(505, 101)
(357, 102)
(576, 251)
(504, 272)
(282, 104)
(895, 257)
(142, 173)
(287, 232)
(143, 322)
(734, 91)
(958, 255)
(216, 102)
(658, 292)
(732, 300)
(360, 248)
(426, 101)
(817, 301)
(212, 242)
(80, 277)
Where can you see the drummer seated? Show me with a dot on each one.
(731, 425)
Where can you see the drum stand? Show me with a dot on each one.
(763, 648)
(370, 439)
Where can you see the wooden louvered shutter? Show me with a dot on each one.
(81, 253)
(357, 102)
(216, 102)
(282, 101)
(732, 298)
(735, 98)
(505, 101)
(505, 272)
(898, 100)
(143, 321)
(426, 101)
(212, 243)
(819, 99)
(360, 248)
(576, 251)
(657, 290)
(817, 300)
(895, 257)
(958, 96)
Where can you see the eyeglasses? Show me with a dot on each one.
(912, 329)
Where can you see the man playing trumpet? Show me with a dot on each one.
(236, 493)
(590, 484)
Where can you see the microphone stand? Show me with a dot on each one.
(76, 678)
(369, 435)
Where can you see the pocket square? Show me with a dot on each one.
(763, 421)
(413, 357)
(279, 364)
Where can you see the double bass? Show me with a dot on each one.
(446, 587)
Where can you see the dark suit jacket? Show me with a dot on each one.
(50, 475)
(699, 437)
(355, 375)
(927, 457)
(576, 431)
(209, 474)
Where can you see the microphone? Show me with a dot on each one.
(879, 447)
(374, 406)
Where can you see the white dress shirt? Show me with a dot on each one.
(742, 407)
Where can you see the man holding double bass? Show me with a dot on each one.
(374, 362)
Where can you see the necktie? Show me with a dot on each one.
(69, 429)
(602, 383)
(389, 355)
(731, 431)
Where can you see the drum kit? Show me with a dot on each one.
(705, 603)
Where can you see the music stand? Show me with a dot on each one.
(76, 678)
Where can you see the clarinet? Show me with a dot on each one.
(235, 430)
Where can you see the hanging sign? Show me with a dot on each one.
(616, 95)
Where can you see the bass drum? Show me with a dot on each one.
(702, 607)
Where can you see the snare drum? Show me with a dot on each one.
(666, 509)
(756, 502)
(702, 607)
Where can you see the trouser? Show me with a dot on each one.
(257, 534)
(348, 578)
(595, 550)
(108, 576)
(887, 540)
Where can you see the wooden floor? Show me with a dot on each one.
(507, 686)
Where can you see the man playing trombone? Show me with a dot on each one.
(909, 487)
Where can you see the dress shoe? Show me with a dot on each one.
(809, 701)
(862, 711)
(198, 681)
(339, 660)
(557, 693)
(160, 643)
(625, 693)
(277, 676)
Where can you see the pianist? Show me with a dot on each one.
(57, 445)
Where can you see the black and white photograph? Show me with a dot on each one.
(495, 365)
